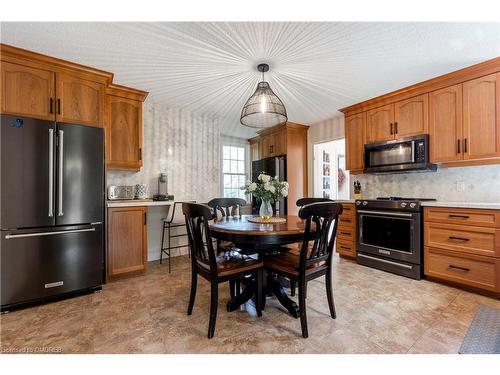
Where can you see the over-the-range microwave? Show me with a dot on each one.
(399, 155)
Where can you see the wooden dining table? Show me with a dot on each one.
(260, 239)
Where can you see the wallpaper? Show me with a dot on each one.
(184, 145)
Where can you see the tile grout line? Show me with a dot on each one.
(433, 325)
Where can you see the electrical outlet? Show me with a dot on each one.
(460, 186)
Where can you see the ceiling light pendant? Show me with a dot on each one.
(263, 109)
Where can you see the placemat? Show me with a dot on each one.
(272, 220)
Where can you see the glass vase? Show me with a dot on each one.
(266, 210)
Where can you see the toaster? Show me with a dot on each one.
(121, 192)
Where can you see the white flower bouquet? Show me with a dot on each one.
(267, 188)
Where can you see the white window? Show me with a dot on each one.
(234, 171)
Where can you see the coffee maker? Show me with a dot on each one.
(162, 194)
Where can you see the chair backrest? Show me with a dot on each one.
(321, 228)
(303, 201)
(171, 213)
(227, 206)
(202, 250)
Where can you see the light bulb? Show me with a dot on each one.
(263, 105)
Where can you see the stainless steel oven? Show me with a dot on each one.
(400, 155)
(390, 235)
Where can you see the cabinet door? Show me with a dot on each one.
(380, 124)
(79, 101)
(279, 143)
(445, 124)
(266, 145)
(355, 141)
(481, 117)
(411, 116)
(127, 241)
(123, 133)
(255, 150)
(27, 91)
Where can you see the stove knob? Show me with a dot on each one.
(358, 203)
(365, 203)
(403, 204)
(412, 205)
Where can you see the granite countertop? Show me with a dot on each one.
(486, 205)
(137, 203)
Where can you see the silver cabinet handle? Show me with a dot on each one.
(10, 236)
(51, 172)
(61, 165)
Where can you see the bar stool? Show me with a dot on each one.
(168, 224)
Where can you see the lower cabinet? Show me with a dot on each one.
(127, 241)
(346, 232)
(462, 246)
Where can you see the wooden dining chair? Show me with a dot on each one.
(215, 269)
(313, 261)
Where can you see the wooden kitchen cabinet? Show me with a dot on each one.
(124, 128)
(127, 241)
(481, 117)
(462, 246)
(380, 124)
(79, 101)
(445, 124)
(255, 149)
(411, 116)
(273, 144)
(27, 91)
(345, 242)
(355, 142)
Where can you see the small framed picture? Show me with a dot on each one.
(326, 183)
(326, 169)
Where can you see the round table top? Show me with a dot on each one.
(240, 225)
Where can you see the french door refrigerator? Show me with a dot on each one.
(52, 209)
(273, 166)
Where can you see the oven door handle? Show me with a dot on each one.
(386, 261)
(384, 213)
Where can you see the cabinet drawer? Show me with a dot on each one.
(482, 218)
(346, 248)
(348, 210)
(468, 239)
(347, 221)
(478, 271)
(346, 233)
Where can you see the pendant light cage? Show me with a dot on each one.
(264, 108)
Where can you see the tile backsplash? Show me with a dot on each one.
(464, 184)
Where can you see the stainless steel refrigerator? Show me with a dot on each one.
(52, 209)
(273, 166)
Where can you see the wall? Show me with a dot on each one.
(477, 184)
(323, 131)
(184, 145)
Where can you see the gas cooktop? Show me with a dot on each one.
(392, 203)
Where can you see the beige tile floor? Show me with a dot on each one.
(377, 313)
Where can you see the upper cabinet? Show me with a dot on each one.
(27, 91)
(411, 116)
(47, 88)
(273, 144)
(380, 124)
(124, 128)
(401, 119)
(481, 117)
(79, 101)
(460, 111)
(255, 149)
(355, 141)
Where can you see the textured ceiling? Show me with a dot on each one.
(316, 68)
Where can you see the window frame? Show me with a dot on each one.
(246, 165)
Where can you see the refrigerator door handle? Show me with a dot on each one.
(39, 234)
(51, 172)
(61, 171)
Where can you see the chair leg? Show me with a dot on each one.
(329, 294)
(194, 282)
(213, 308)
(293, 285)
(232, 288)
(169, 250)
(258, 292)
(302, 308)
(161, 246)
(237, 287)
